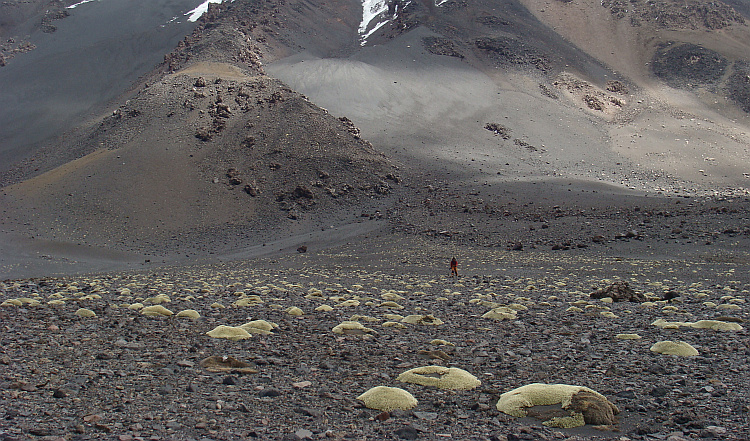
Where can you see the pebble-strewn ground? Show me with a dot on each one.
(124, 375)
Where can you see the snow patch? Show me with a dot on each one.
(440, 2)
(372, 10)
(372, 31)
(193, 15)
(198, 12)
(73, 6)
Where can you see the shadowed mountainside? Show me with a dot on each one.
(210, 154)
(59, 66)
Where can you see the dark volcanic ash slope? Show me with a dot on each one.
(212, 156)
(60, 65)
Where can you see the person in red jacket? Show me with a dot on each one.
(454, 268)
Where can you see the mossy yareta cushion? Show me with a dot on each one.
(156, 311)
(391, 296)
(215, 363)
(393, 317)
(365, 318)
(501, 313)
(84, 312)
(390, 304)
(259, 327)
(595, 408)
(441, 342)
(293, 310)
(680, 348)
(715, 325)
(351, 327)
(418, 319)
(386, 399)
(26, 301)
(568, 422)
(628, 337)
(161, 298)
(441, 377)
(729, 307)
(229, 333)
(248, 301)
(189, 313)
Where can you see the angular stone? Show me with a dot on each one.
(269, 392)
(407, 432)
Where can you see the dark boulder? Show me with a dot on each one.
(619, 292)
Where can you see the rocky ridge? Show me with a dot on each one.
(680, 15)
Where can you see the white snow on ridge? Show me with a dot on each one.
(196, 13)
(193, 15)
(370, 10)
(372, 31)
(373, 9)
(73, 6)
(440, 2)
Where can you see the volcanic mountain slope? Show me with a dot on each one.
(585, 89)
(635, 41)
(203, 157)
(63, 61)
(211, 154)
(688, 45)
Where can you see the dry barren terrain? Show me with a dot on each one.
(317, 165)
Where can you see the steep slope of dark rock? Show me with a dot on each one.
(494, 34)
(688, 65)
(55, 81)
(270, 30)
(670, 14)
(738, 85)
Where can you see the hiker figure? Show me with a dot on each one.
(454, 268)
